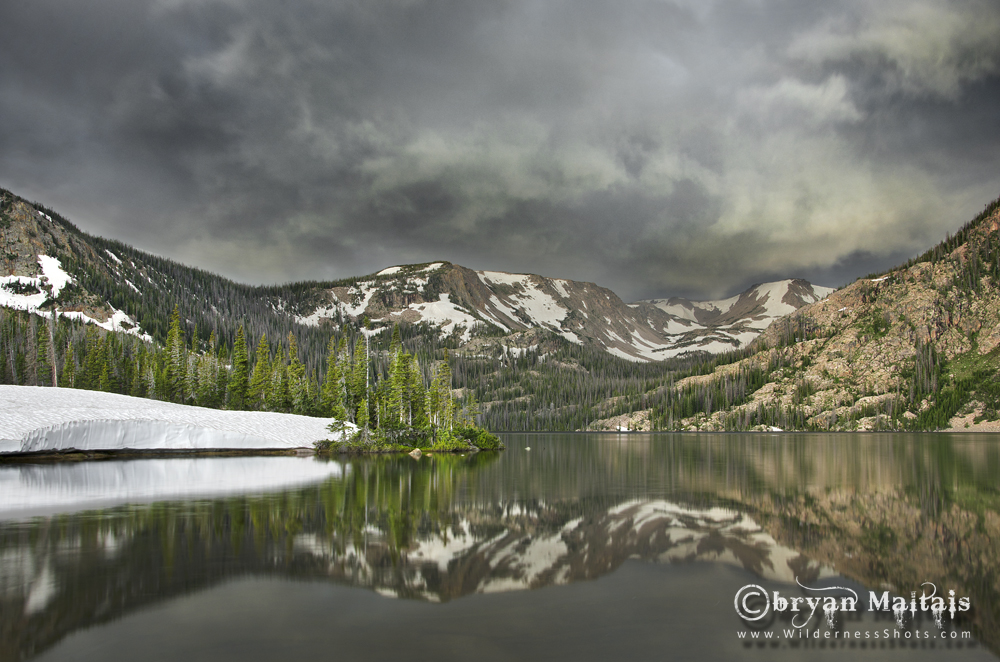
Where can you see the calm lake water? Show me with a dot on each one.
(587, 547)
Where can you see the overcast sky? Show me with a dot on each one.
(656, 147)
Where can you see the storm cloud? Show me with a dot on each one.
(654, 146)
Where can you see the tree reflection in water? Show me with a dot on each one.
(890, 511)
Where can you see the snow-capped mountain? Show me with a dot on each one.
(716, 326)
(53, 266)
(458, 300)
(35, 248)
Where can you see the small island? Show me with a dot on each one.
(410, 410)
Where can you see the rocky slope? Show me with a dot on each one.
(910, 348)
(457, 300)
(48, 266)
(35, 251)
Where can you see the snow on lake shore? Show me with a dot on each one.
(37, 419)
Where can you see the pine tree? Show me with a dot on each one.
(361, 420)
(176, 364)
(68, 378)
(297, 385)
(93, 362)
(280, 395)
(416, 414)
(441, 405)
(397, 385)
(42, 361)
(446, 402)
(239, 378)
(359, 381)
(470, 411)
(332, 394)
(257, 394)
(31, 354)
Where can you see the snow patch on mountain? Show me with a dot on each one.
(364, 290)
(119, 321)
(46, 287)
(13, 293)
(651, 330)
(560, 287)
(326, 312)
(572, 337)
(446, 315)
(53, 272)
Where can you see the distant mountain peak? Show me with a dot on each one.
(456, 300)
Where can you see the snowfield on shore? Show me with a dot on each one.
(38, 419)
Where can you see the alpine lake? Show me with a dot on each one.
(563, 547)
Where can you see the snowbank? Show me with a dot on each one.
(34, 418)
(28, 490)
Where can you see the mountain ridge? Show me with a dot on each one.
(109, 284)
(914, 347)
(458, 298)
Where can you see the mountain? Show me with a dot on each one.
(727, 324)
(461, 302)
(912, 348)
(916, 347)
(51, 264)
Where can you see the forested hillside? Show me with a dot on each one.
(907, 349)
(529, 378)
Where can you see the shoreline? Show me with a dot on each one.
(78, 455)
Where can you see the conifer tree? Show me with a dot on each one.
(359, 381)
(297, 385)
(31, 353)
(208, 383)
(332, 394)
(415, 396)
(137, 388)
(441, 405)
(104, 381)
(94, 361)
(53, 359)
(397, 385)
(239, 378)
(68, 379)
(176, 359)
(43, 367)
(276, 385)
(446, 403)
(257, 394)
(361, 418)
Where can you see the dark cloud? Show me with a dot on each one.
(655, 146)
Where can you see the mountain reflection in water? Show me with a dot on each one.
(888, 511)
